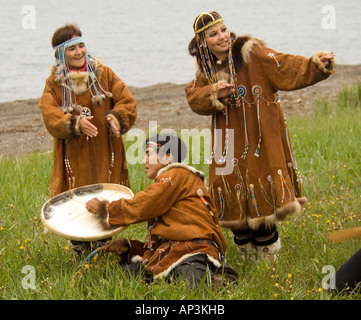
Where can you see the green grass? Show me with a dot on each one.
(327, 149)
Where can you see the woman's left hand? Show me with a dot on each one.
(325, 59)
(224, 90)
(113, 127)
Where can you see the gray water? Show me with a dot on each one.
(145, 41)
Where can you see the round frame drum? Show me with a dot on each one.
(66, 215)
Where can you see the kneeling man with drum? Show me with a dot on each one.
(184, 238)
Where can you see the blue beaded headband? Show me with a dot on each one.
(68, 99)
(69, 43)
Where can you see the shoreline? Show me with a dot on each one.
(21, 122)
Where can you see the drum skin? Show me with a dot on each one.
(65, 214)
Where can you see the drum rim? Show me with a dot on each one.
(107, 233)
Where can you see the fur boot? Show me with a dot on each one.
(247, 252)
(267, 242)
(246, 249)
(269, 252)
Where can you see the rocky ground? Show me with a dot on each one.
(21, 122)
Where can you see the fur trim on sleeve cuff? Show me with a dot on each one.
(215, 102)
(118, 120)
(73, 126)
(332, 62)
(114, 118)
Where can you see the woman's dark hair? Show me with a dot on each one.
(173, 145)
(65, 33)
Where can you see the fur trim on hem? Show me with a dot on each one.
(198, 173)
(292, 208)
(215, 102)
(164, 273)
(235, 225)
(326, 70)
(135, 259)
(281, 214)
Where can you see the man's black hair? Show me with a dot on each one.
(169, 144)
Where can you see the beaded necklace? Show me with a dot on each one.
(69, 103)
(63, 71)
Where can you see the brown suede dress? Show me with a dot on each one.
(259, 182)
(90, 160)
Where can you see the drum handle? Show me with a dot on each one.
(93, 254)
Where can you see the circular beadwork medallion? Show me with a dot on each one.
(200, 192)
(256, 90)
(85, 112)
(242, 90)
(237, 187)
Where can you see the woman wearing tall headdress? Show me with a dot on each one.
(86, 108)
(253, 175)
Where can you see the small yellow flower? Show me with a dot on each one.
(275, 295)
(289, 276)
(276, 284)
(21, 248)
(66, 248)
(320, 290)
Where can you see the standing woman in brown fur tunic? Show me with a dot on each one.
(253, 176)
(86, 108)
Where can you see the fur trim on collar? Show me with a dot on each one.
(79, 79)
(198, 173)
(241, 51)
(244, 45)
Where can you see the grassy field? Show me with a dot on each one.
(327, 148)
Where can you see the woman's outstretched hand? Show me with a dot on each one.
(325, 59)
(224, 90)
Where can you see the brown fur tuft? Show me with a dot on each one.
(347, 234)
(102, 215)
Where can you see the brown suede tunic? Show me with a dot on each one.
(176, 217)
(89, 159)
(261, 186)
